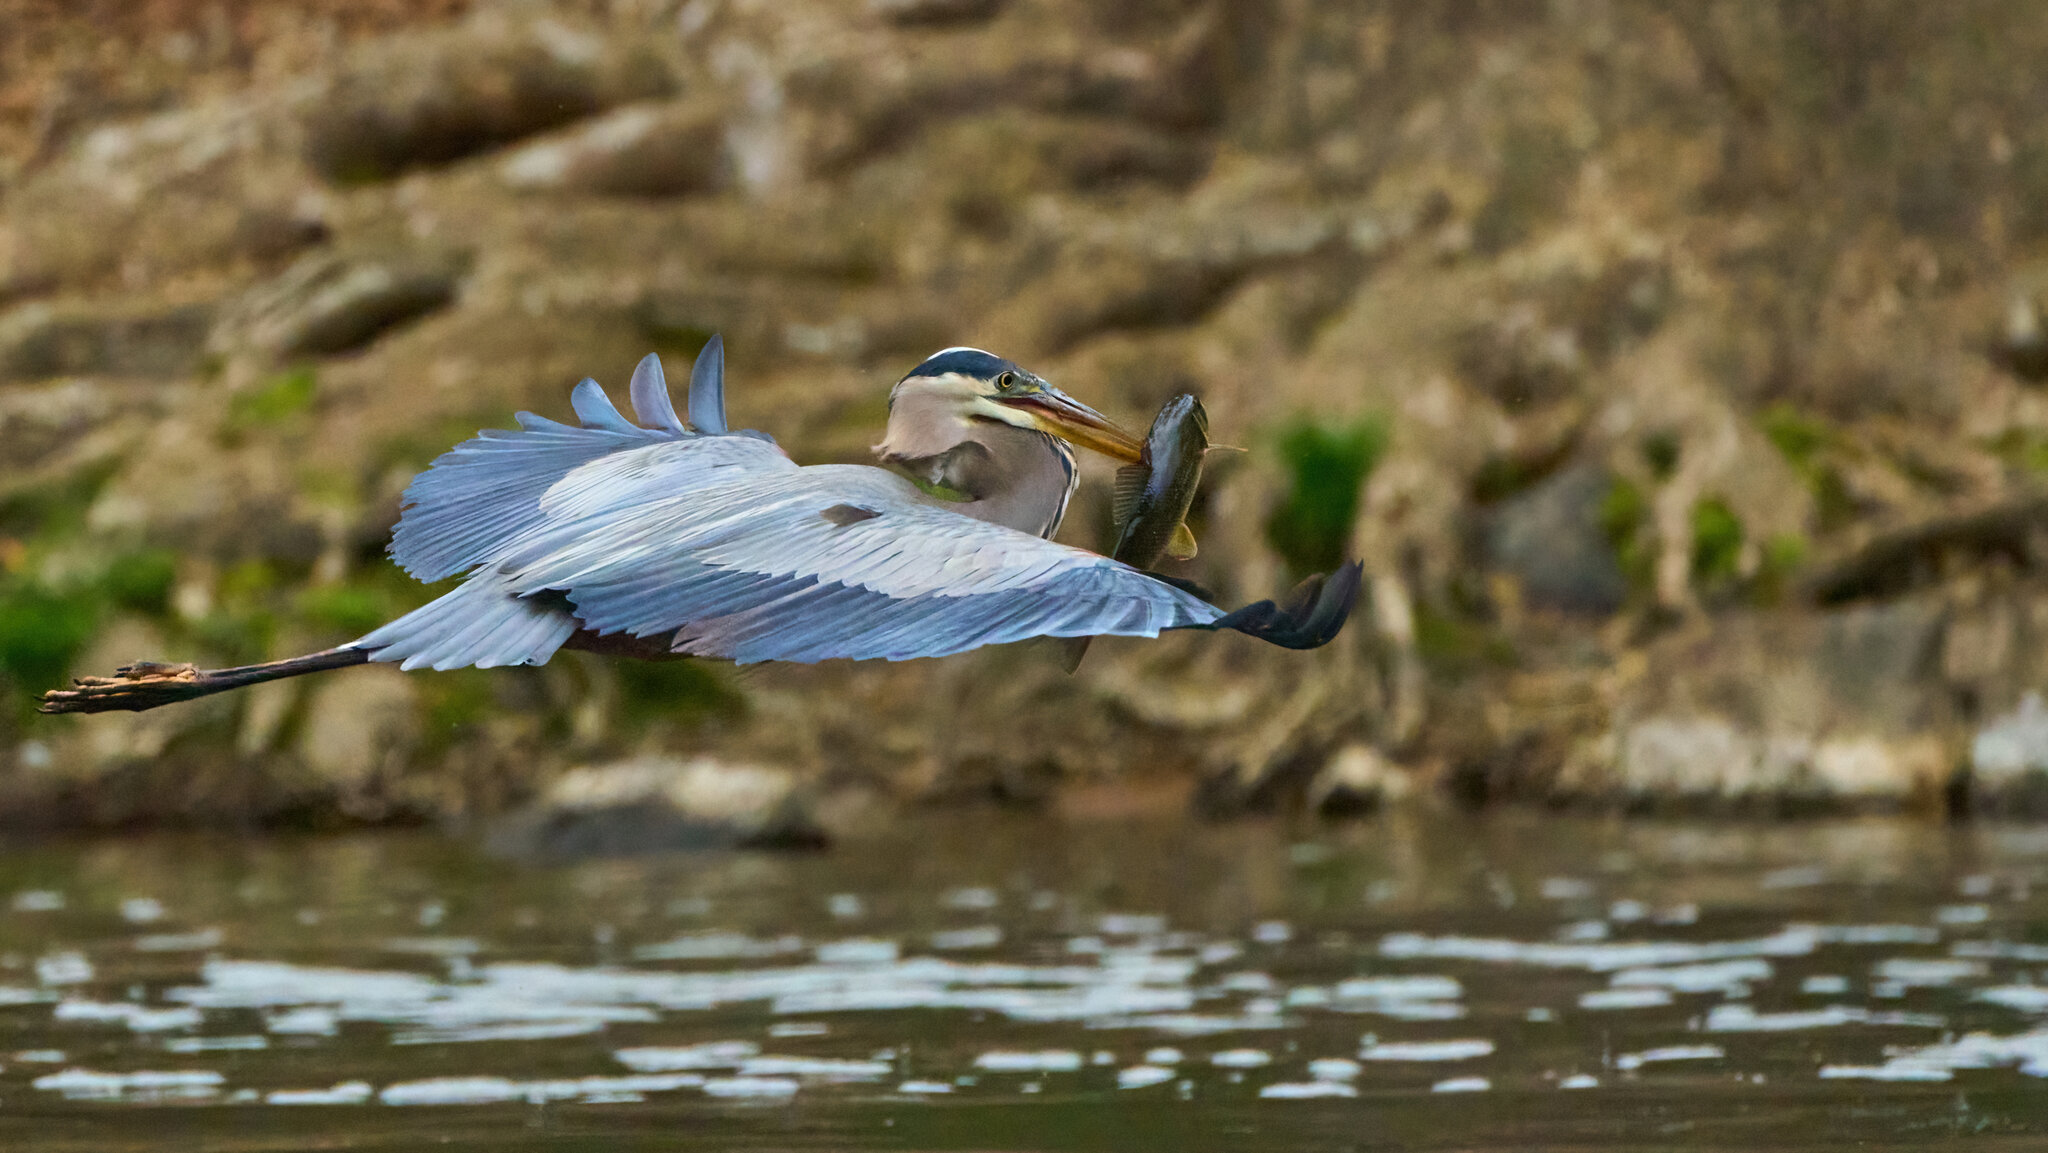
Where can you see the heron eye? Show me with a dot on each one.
(1006, 382)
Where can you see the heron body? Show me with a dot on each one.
(665, 538)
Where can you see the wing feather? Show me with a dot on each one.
(707, 388)
(596, 410)
(651, 403)
(478, 623)
(751, 570)
(487, 490)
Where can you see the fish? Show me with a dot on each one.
(1151, 501)
(1152, 497)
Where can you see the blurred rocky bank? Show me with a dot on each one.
(1678, 372)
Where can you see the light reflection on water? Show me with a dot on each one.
(989, 981)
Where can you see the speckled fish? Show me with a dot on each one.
(1153, 495)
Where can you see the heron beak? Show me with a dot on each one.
(1061, 415)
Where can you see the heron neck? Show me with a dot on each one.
(1019, 478)
(1015, 477)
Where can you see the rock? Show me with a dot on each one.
(986, 166)
(1687, 758)
(1896, 770)
(912, 13)
(47, 431)
(1270, 762)
(1522, 359)
(639, 150)
(1550, 539)
(657, 804)
(1779, 711)
(431, 99)
(327, 303)
(1104, 290)
(2009, 763)
(1887, 564)
(133, 737)
(43, 340)
(1178, 84)
(1679, 761)
(1173, 271)
(234, 504)
(2020, 345)
(154, 196)
(1876, 662)
(1091, 155)
(1358, 779)
(833, 112)
(1864, 668)
(360, 729)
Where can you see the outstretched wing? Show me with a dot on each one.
(754, 560)
(486, 491)
(719, 545)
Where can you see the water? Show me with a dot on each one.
(995, 982)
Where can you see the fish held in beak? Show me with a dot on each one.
(1153, 495)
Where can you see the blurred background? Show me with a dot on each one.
(1675, 369)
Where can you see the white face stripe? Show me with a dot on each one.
(952, 385)
(970, 395)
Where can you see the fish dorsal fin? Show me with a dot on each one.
(707, 388)
(1130, 485)
(649, 392)
(1181, 545)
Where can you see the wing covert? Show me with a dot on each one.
(741, 561)
(485, 493)
(487, 490)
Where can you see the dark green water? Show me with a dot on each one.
(988, 982)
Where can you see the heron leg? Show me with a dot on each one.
(149, 684)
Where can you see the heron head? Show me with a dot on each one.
(971, 385)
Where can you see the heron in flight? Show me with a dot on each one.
(664, 539)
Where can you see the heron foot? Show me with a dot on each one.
(142, 685)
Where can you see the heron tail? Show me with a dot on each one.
(148, 684)
(480, 623)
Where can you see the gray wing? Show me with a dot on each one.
(707, 387)
(486, 491)
(724, 547)
(760, 561)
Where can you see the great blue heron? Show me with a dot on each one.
(663, 540)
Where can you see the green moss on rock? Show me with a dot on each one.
(1716, 541)
(1327, 468)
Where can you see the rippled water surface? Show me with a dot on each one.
(1011, 983)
